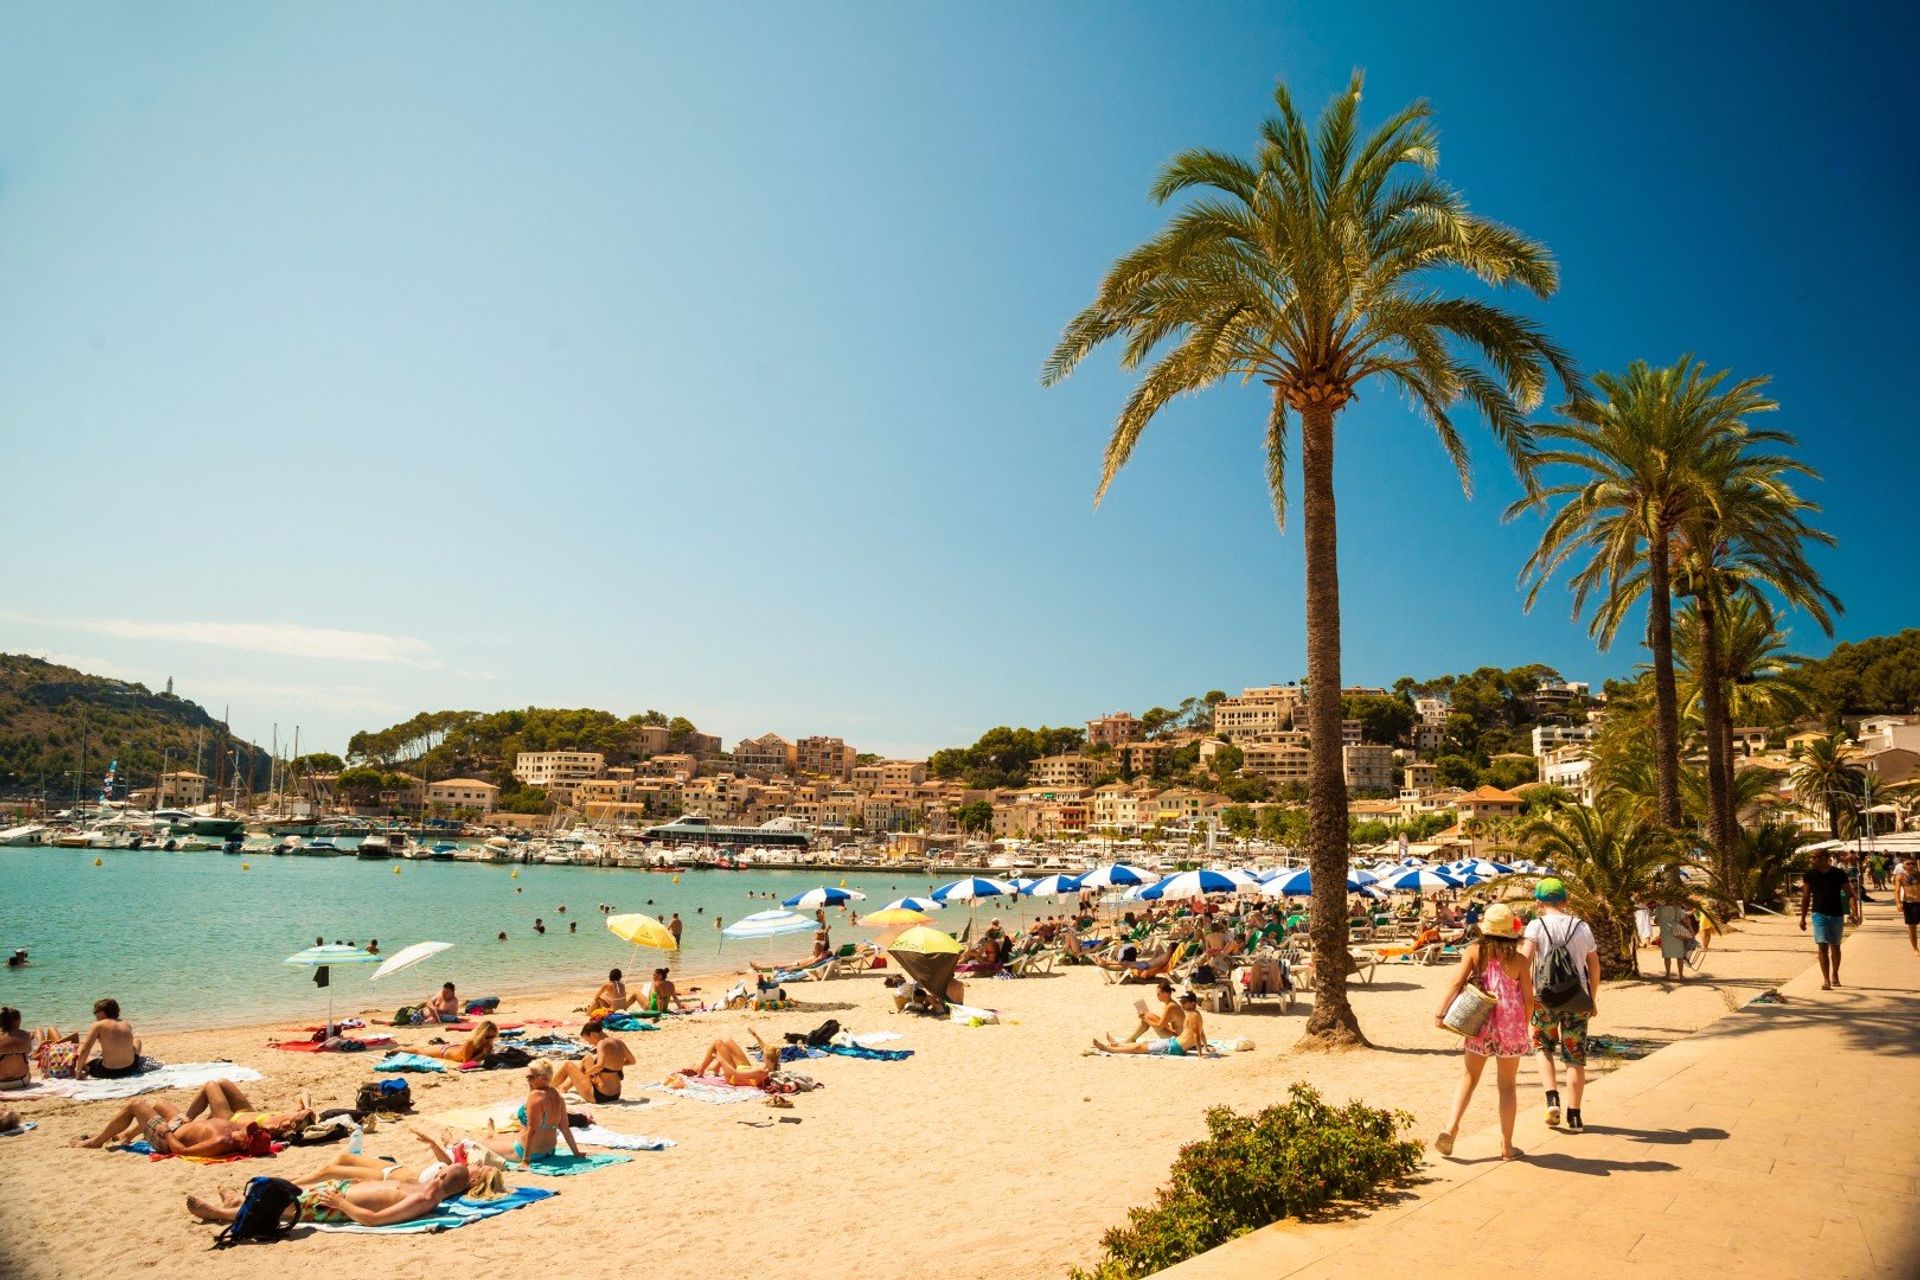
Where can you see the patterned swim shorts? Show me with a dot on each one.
(1565, 1033)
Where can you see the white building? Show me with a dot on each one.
(546, 768)
(1570, 767)
(1549, 737)
(1878, 733)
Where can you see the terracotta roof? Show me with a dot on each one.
(1490, 794)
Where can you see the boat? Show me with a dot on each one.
(443, 853)
(695, 829)
(375, 847)
(289, 844)
(217, 826)
(25, 836)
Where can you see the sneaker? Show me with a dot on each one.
(1573, 1121)
(1553, 1109)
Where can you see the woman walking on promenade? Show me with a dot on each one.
(1501, 969)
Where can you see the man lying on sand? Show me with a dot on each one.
(371, 1204)
(226, 1128)
(1153, 966)
(1191, 1040)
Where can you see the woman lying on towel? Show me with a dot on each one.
(220, 1121)
(371, 1204)
(727, 1059)
(474, 1048)
(483, 1166)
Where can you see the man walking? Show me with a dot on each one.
(1824, 891)
(1906, 891)
(1566, 980)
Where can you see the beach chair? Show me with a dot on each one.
(1032, 962)
(853, 959)
(815, 971)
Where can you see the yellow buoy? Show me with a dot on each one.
(843, 882)
(246, 866)
(676, 879)
(96, 862)
(515, 875)
(396, 871)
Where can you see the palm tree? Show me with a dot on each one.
(1647, 451)
(1827, 778)
(1610, 858)
(1312, 268)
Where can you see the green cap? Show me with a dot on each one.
(1550, 890)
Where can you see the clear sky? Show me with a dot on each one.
(356, 360)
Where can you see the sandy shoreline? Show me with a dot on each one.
(995, 1147)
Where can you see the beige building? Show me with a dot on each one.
(891, 779)
(1144, 757)
(765, 755)
(546, 768)
(1060, 771)
(1419, 776)
(462, 793)
(1368, 767)
(653, 739)
(1281, 762)
(826, 757)
(1112, 730)
(1258, 711)
(1488, 802)
(182, 787)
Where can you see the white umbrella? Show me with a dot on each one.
(407, 957)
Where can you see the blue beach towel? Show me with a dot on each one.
(871, 1055)
(564, 1166)
(454, 1213)
(19, 1129)
(626, 1022)
(409, 1062)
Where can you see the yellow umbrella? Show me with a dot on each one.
(888, 917)
(921, 940)
(642, 931)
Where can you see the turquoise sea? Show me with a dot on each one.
(198, 938)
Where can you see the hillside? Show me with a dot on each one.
(483, 744)
(48, 712)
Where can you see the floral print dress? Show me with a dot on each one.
(1506, 1034)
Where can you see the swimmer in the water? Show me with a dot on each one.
(503, 935)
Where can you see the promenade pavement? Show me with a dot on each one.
(1782, 1140)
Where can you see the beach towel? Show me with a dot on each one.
(798, 1052)
(453, 1213)
(708, 1089)
(869, 1038)
(141, 1147)
(560, 1165)
(552, 1046)
(409, 1062)
(626, 1022)
(971, 1016)
(183, 1075)
(871, 1055)
(593, 1135)
(339, 1044)
(25, 1125)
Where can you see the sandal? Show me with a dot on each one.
(1444, 1144)
(779, 1103)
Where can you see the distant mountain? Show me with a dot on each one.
(50, 715)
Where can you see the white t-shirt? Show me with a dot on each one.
(1544, 932)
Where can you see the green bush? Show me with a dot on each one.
(1252, 1170)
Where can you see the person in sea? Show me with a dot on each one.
(1823, 893)
(727, 1059)
(1499, 965)
(674, 926)
(340, 1200)
(543, 1121)
(474, 1048)
(445, 1006)
(600, 1074)
(483, 1165)
(219, 1121)
(16, 1048)
(1191, 1039)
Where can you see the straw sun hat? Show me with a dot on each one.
(1501, 922)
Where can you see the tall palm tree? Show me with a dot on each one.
(1827, 778)
(1610, 857)
(1314, 267)
(1646, 453)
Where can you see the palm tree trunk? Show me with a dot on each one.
(1617, 947)
(1331, 1024)
(1713, 705)
(1666, 701)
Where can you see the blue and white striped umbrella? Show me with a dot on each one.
(1119, 875)
(1300, 883)
(768, 924)
(821, 897)
(324, 957)
(972, 888)
(1419, 880)
(1051, 886)
(1192, 884)
(913, 904)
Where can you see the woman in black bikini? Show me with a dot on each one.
(15, 1067)
(599, 1075)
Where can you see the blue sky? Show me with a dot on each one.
(357, 360)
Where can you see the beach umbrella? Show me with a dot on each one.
(927, 956)
(407, 957)
(1192, 884)
(642, 931)
(911, 903)
(822, 897)
(321, 960)
(769, 924)
(972, 889)
(925, 941)
(1300, 883)
(1419, 880)
(1052, 886)
(1117, 875)
(892, 917)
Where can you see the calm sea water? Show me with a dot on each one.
(193, 939)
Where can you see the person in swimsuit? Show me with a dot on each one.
(543, 1120)
(1192, 1039)
(484, 1167)
(662, 996)
(113, 1036)
(474, 1048)
(727, 1059)
(612, 995)
(1166, 1019)
(16, 1068)
(371, 1204)
(445, 1006)
(599, 1075)
(222, 1100)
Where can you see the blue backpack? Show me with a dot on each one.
(268, 1212)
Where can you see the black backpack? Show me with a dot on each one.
(268, 1212)
(822, 1036)
(384, 1097)
(1559, 984)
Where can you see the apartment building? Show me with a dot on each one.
(675, 764)
(764, 756)
(1429, 736)
(1368, 766)
(1880, 733)
(1431, 710)
(1144, 757)
(1060, 771)
(462, 793)
(825, 757)
(1548, 737)
(1488, 802)
(1750, 740)
(652, 739)
(895, 779)
(182, 787)
(1112, 730)
(1418, 776)
(1281, 762)
(546, 768)
(1266, 709)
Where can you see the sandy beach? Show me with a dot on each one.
(993, 1148)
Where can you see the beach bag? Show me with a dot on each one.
(1558, 984)
(822, 1036)
(384, 1096)
(510, 1056)
(269, 1211)
(62, 1060)
(1470, 1011)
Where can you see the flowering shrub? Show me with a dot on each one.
(1249, 1171)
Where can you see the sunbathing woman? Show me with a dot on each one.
(474, 1048)
(222, 1100)
(542, 1117)
(600, 1074)
(727, 1059)
(483, 1166)
(612, 995)
(15, 1044)
(371, 1204)
(1145, 968)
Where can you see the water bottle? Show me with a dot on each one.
(353, 1143)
